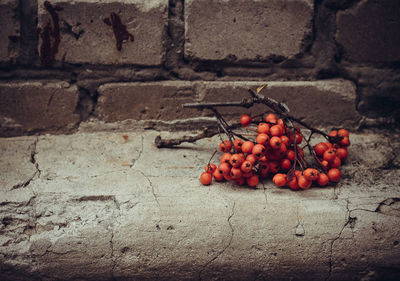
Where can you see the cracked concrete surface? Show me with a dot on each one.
(111, 206)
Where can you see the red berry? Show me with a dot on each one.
(280, 179)
(247, 147)
(334, 175)
(246, 166)
(320, 149)
(245, 120)
(311, 174)
(323, 179)
(218, 175)
(225, 146)
(252, 181)
(263, 128)
(205, 178)
(285, 164)
(210, 168)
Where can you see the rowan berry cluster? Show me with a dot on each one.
(276, 152)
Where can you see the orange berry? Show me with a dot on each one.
(210, 168)
(276, 130)
(258, 150)
(274, 167)
(320, 149)
(342, 153)
(205, 178)
(246, 166)
(303, 182)
(236, 173)
(311, 174)
(275, 142)
(336, 162)
(225, 158)
(245, 120)
(298, 173)
(225, 146)
(240, 181)
(290, 154)
(225, 168)
(345, 142)
(333, 133)
(263, 167)
(329, 155)
(227, 177)
(334, 175)
(247, 147)
(263, 128)
(285, 164)
(263, 158)
(271, 118)
(247, 175)
(285, 140)
(218, 175)
(252, 181)
(325, 164)
(322, 179)
(251, 158)
(343, 133)
(237, 143)
(236, 160)
(280, 179)
(262, 139)
(292, 183)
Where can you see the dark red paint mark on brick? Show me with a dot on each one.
(50, 35)
(120, 32)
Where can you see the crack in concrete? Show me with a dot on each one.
(113, 260)
(387, 202)
(111, 198)
(265, 195)
(34, 162)
(226, 247)
(349, 220)
(299, 229)
(152, 188)
(134, 161)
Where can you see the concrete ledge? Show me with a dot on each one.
(111, 206)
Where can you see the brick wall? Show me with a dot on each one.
(335, 62)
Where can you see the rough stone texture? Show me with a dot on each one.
(86, 38)
(9, 31)
(16, 156)
(87, 215)
(369, 31)
(246, 30)
(36, 106)
(320, 103)
(155, 100)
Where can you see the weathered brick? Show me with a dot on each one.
(145, 101)
(319, 103)
(37, 106)
(369, 32)
(103, 32)
(9, 31)
(246, 30)
(324, 103)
